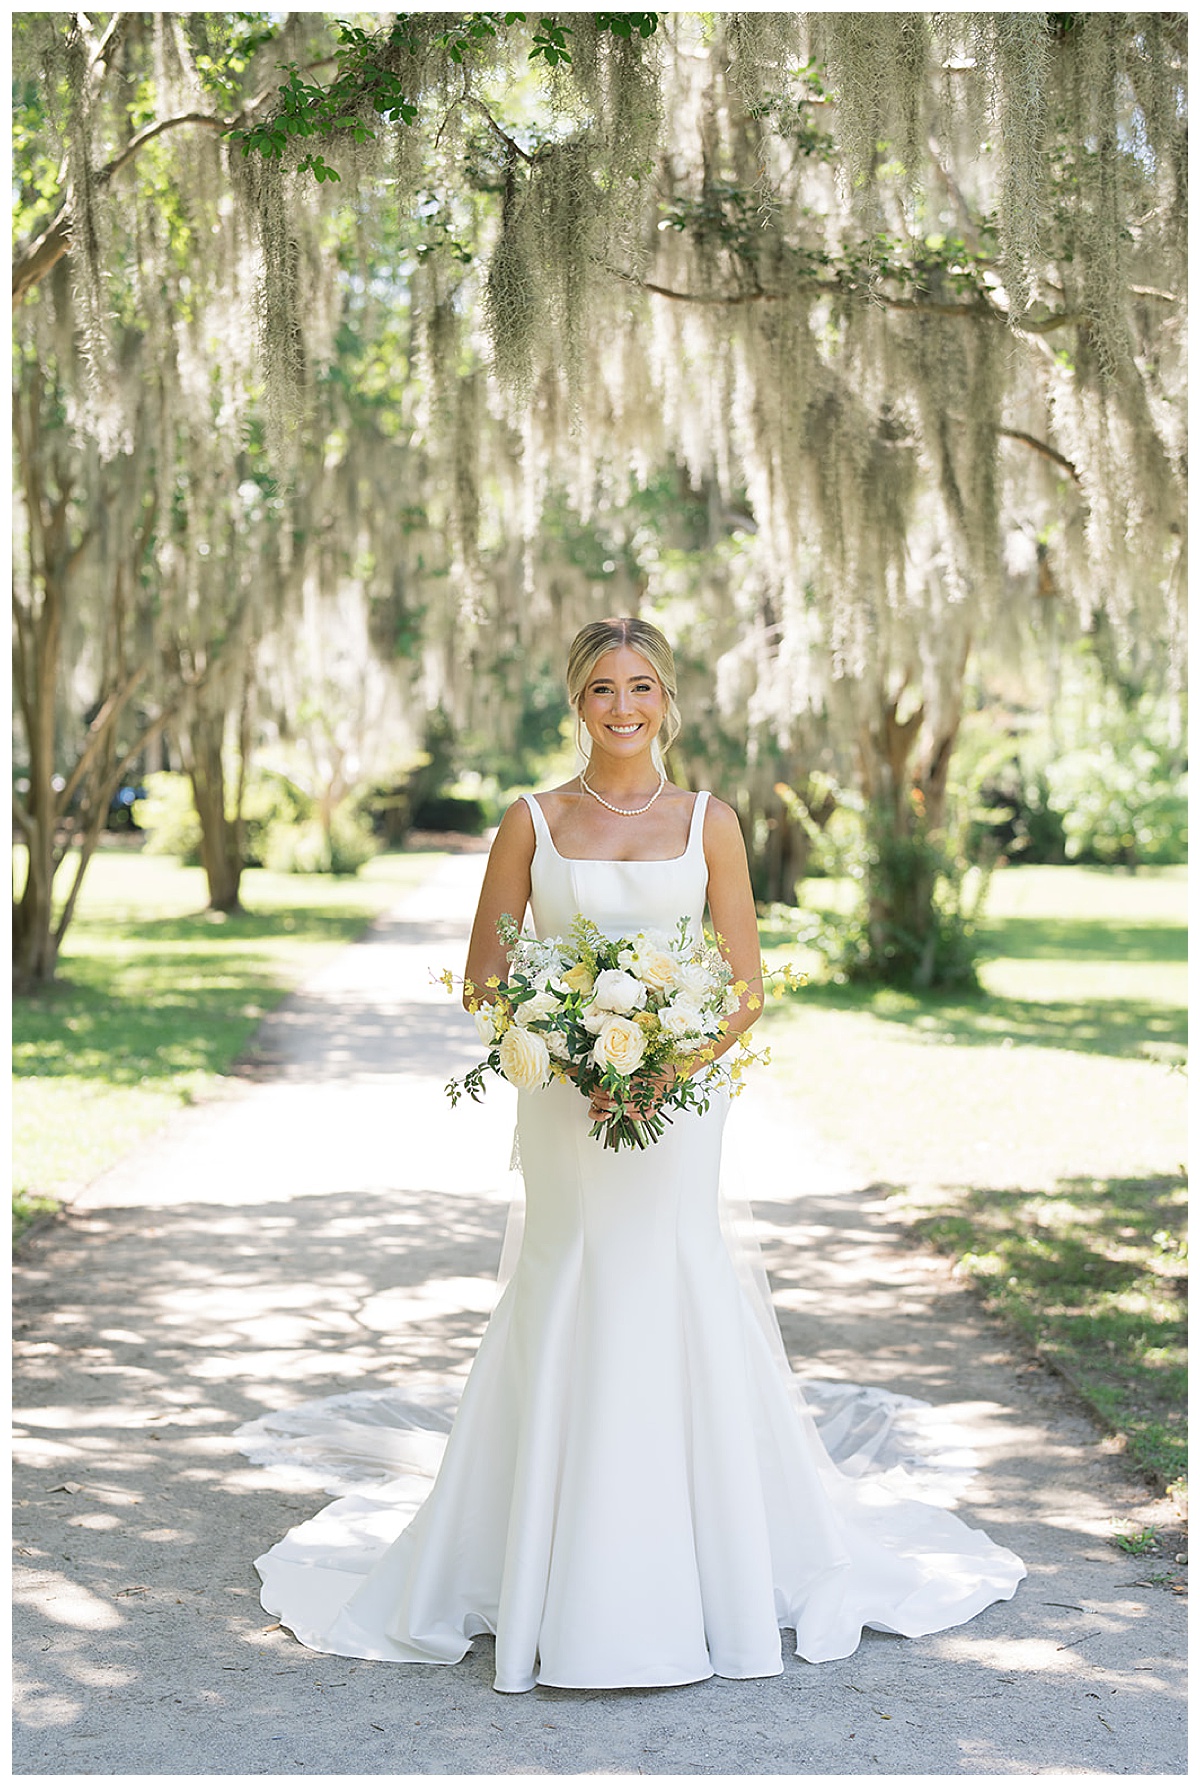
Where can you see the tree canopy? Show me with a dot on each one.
(897, 298)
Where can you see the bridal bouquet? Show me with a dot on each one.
(609, 1014)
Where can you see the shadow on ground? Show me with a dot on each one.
(146, 1337)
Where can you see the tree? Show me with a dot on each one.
(925, 332)
(135, 444)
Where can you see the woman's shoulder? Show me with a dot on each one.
(722, 827)
(719, 814)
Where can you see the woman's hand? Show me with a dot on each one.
(649, 1095)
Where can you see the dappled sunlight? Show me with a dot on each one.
(337, 1227)
(41, 1709)
(68, 1603)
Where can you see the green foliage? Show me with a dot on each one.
(37, 188)
(168, 813)
(1101, 780)
(225, 44)
(168, 817)
(380, 75)
(1121, 798)
(451, 812)
(306, 847)
(270, 801)
(1138, 1542)
(915, 917)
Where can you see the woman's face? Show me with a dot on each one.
(623, 704)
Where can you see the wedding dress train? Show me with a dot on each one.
(633, 1491)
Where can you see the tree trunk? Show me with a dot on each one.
(905, 857)
(35, 947)
(220, 835)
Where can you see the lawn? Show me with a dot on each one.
(1035, 1130)
(156, 998)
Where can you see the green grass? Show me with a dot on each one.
(1035, 1130)
(156, 998)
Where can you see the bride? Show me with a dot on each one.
(633, 1491)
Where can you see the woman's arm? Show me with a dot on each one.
(505, 888)
(731, 906)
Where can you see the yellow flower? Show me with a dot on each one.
(579, 978)
(493, 980)
(753, 1002)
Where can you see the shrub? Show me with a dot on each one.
(168, 816)
(913, 924)
(1121, 801)
(270, 800)
(451, 812)
(304, 847)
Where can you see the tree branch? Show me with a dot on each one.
(920, 306)
(1045, 449)
(510, 143)
(33, 260)
(100, 728)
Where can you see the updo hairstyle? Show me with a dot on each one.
(600, 636)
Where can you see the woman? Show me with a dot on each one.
(633, 1493)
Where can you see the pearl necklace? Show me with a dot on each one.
(626, 812)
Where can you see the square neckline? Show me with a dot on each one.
(617, 862)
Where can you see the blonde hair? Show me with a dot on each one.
(592, 642)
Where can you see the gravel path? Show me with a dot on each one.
(328, 1223)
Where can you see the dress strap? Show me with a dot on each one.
(696, 827)
(540, 824)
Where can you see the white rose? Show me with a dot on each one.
(530, 1011)
(485, 1023)
(557, 1045)
(682, 1017)
(621, 1044)
(524, 1059)
(617, 991)
(657, 969)
(594, 1019)
(693, 979)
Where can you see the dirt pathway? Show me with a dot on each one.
(329, 1224)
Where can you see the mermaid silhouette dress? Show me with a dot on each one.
(633, 1491)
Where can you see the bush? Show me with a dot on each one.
(1104, 784)
(304, 848)
(168, 816)
(451, 812)
(1120, 801)
(270, 800)
(913, 924)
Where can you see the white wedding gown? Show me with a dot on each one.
(633, 1491)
